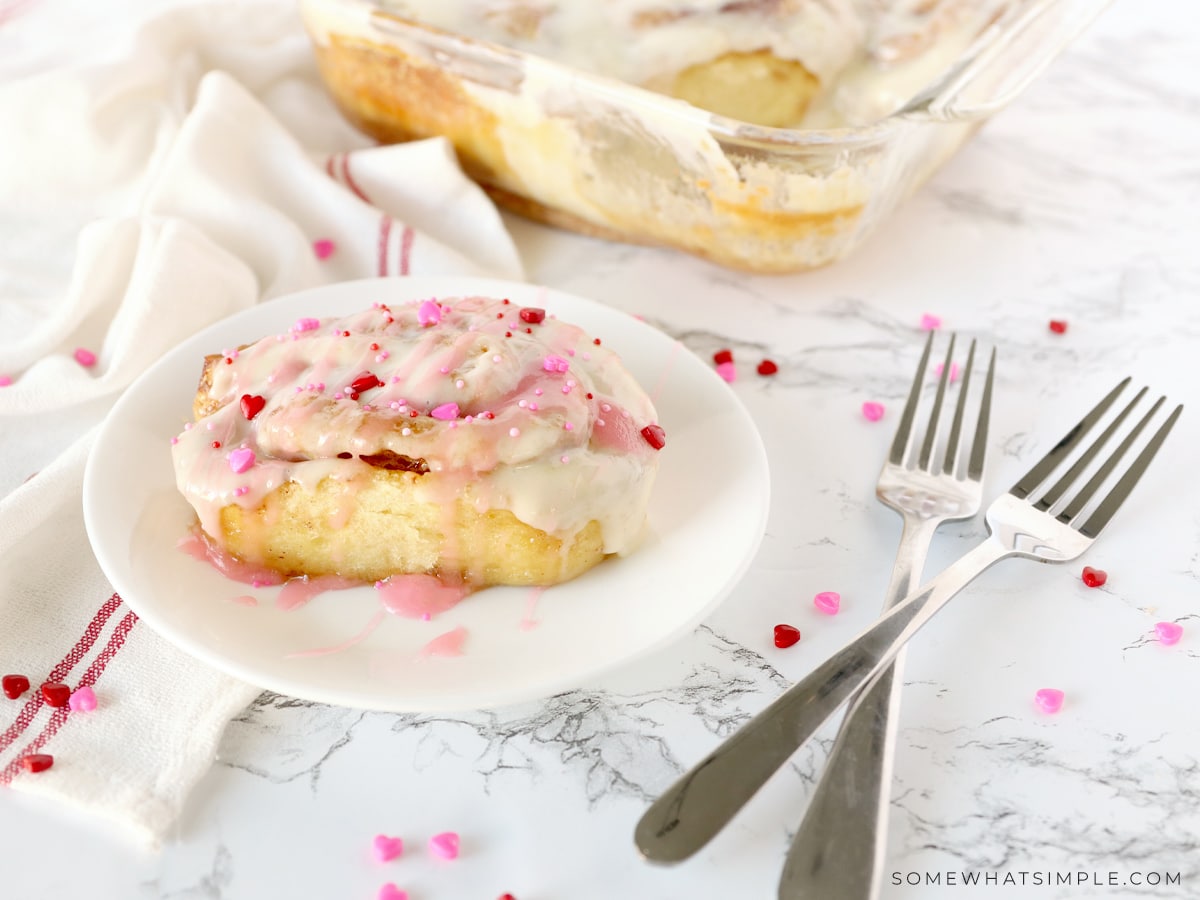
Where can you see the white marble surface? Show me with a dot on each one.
(1080, 202)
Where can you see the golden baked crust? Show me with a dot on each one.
(372, 527)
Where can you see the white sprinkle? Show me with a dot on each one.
(460, 384)
(514, 432)
(600, 423)
(587, 355)
(187, 426)
(496, 358)
(522, 404)
(606, 407)
(406, 431)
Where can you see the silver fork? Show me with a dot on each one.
(837, 853)
(1051, 528)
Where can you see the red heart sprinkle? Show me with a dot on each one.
(507, 897)
(14, 686)
(37, 762)
(723, 356)
(767, 367)
(655, 436)
(1058, 326)
(532, 315)
(252, 405)
(786, 635)
(365, 382)
(56, 694)
(1094, 577)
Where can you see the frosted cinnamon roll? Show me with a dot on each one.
(469, 438)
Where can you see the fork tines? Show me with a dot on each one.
(1079, 510)
(903, 443)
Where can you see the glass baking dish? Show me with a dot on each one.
(606, 158)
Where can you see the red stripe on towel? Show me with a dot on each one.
(406, 242)
(93, 673)
(34, 704)
(349, 179)
(385, 233)
(329, 166)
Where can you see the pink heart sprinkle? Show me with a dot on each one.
(241, 459)
(727, 371)
(1050, 700)
(1168, 632)
(828, 602)
(930, 322)
(83, 700)
(5, 381)
(85, 357)
(429, 313)
(555, 364)
(444, 845)
(324, 248)
(937, 370)
(390, 892)
(386, 848)
(445, 411)
(306, 324)
(872, 411)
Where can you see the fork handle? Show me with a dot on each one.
(698, 805)
(838, 851)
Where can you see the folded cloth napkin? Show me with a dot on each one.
(221, 176)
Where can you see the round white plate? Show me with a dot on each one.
(707, 516)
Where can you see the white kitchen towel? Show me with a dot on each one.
(189, 174)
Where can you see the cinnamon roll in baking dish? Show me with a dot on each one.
(465, 437)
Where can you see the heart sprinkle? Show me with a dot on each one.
(872, 411)
(252, 405)
(1049, 700)
(828, 602)
(390, 892)
(937, 370)
(767, 367)
(241, 459)
(1168, 633)
(655, 436)
(553, 364)
(306, 324)
(930, 322)
(85, 357)
(386, 848)
(37, 762)
(507, 896)
(722, 356)
(727, 371)
(83, 700)
(365, 382)
(533, 315)
(5, 380)
(445, 411)
(786, 635)
(56, 694)
(14, 686)
(1058, 326)
(429, 313)
(1094, 577)
(444, 845)
(324, 248)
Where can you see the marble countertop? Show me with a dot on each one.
(1082, 203)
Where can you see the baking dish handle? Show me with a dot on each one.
(1005, 59)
